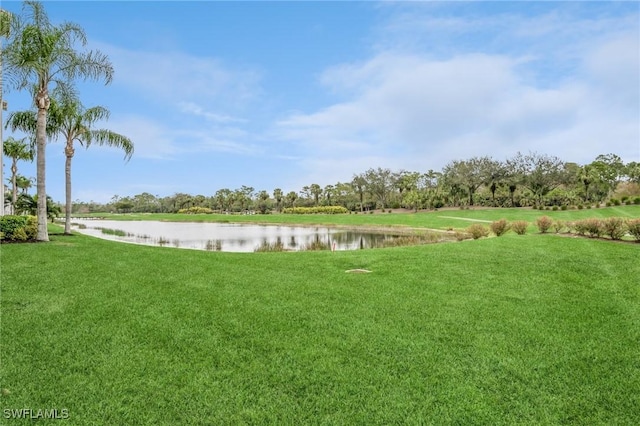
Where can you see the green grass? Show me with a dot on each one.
(537, 329)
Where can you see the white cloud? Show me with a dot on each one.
(177, 77)
(416, 112)
(197, 110)
(151, 140)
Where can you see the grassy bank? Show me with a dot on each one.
(441, 219)
(513, 330)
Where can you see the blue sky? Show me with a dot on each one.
(285, 94)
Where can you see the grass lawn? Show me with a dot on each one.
(535, 329)
(441, 219)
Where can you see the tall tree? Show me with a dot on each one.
(75, 124)
(17, 150)
(380, 182)
(316, 192)
(359, 185)
(278, 195)
(469, 174)
(541, 173)
(38, 55)
(292, 196)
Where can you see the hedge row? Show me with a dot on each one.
(613, 227)
(18, 228)
(316, 210)
(196, 210)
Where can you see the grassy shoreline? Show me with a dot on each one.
(512, 330)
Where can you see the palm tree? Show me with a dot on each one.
(74, 123)
(16, 150)
(24, 183)
(278, 195)
(37, 55)
(5, 19)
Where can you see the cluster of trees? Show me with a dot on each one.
(525, 180)
(41, 58)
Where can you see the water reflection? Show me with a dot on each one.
(230, 237)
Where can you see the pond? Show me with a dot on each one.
(231, 237)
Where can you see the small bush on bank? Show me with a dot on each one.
(633, 226)
(544, 223)
(558, 226)
(18, 228)
(592, 227)
(519, 227)
(478, 231)
(614, 227)
(500, 227)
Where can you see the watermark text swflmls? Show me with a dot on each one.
(30, 413)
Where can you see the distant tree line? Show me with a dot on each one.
(525, 180)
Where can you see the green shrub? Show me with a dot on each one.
(461, 236)
(636, 200)
(555, 208)
(592, 227)
(608, 204)
(580, 206)
(500, 227)
(633, 226)
(614, 227)
(628, 202)
(563, 207)
(558, 226)
(196, 210)
(519, 227)
(615, 202)
(317, 210)
(544, 223)
(478, 231)
(18, 228)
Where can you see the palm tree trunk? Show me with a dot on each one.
(42, 101)
(67, 179)
(14, 184)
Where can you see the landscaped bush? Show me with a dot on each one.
(614, 227)
(478, 231)
(461, 236)
(499, 227)
(633, 226)
(636, 200)
(558, 226)
(563, 207)
(316, 210)
(18, 228)
(544, 223)
(519, 227)
(196, 210)
(592, 227)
